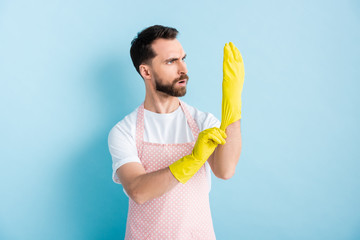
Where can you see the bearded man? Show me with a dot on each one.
(164, 151)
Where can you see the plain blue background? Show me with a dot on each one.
(67, 79)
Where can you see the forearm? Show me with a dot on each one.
(148, 186)
(142, 186)
(226, 157)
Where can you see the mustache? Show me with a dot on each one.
(182, 77)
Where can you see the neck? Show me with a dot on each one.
(159, 102)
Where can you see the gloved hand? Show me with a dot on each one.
(233, 80)
(186, 167)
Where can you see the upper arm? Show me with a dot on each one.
(224, 159)
(211, 160)
(122, 147)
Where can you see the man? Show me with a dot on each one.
(163, 151)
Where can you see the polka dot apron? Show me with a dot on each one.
(184, 211)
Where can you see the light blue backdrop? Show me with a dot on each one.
(67, 78)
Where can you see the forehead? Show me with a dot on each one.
(165, 48)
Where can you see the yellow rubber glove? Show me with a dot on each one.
(233, 80)
(186, 167)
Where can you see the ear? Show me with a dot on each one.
(144, 70)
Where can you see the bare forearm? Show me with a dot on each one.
(226, 157)
(152, 185)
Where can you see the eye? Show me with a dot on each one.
(170, 62)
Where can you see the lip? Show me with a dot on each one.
(182, 82)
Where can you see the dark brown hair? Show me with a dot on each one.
(141, 51)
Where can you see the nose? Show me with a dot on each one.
(182, 68)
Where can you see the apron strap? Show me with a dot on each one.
(140, 129)
(140, 125)
(191, 121)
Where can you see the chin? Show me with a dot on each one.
(182, 91)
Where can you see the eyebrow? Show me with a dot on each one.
(174, 59)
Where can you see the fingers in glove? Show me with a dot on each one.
(230, 55)
(216, 137)
(222, 132)
(226, 52)
(216, 130)
(236, 52)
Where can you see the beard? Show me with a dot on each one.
(171, 89)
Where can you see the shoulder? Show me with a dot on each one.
(122, 143)
(204, 120)
(124, 128)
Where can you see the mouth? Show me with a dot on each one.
(182, 82)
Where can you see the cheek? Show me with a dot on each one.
(168, 71)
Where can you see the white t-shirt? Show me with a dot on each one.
(159, 128)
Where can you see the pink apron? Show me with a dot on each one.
(181, 213)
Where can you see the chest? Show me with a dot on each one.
(167, 129)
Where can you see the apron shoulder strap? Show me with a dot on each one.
(191, 121)
(140, 129)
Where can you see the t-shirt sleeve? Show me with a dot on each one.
(206, 120)
(210, 121)
(122, 146)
